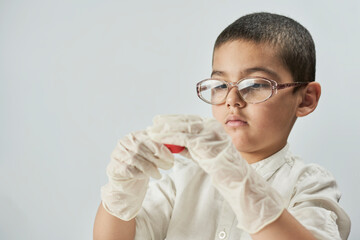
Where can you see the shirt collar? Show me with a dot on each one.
(267, 167)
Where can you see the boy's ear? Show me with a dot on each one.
(309, 99)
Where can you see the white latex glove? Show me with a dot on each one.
(134, 160)
(253, 200)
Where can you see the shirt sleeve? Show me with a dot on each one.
(315, 204)
(153, 219)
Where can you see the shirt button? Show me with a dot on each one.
(222, 235)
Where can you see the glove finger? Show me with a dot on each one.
(212, 123)
(139, 143)
(186, 139)
(187, 128)
(177, 123)
(127, 160)
(176, 117)
(185, 153)
(147, 167)
(156, 153)
(137, 160)
(179, 139)
(120, 171)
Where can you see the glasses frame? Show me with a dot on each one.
(274, 87)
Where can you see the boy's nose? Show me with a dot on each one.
(234, 99)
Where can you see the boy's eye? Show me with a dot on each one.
(258, 85)
(222, 86)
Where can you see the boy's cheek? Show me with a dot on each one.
(218, 113)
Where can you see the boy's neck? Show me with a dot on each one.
(257, 156)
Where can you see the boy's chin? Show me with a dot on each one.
(239, 143)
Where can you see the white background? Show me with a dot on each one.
(77, 75)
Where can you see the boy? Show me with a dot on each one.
(242, 182)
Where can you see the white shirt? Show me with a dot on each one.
(185, 205)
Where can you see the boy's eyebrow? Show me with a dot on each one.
(249, 71)
(215, 72)
(262, 69)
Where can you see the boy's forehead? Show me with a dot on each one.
(247, 49)
(247, 57)
(248, 71)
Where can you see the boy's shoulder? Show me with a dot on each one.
(298, 178)
(302, 170)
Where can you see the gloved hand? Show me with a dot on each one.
(134, 160)
(253, 200)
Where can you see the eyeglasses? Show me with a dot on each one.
(251, 90)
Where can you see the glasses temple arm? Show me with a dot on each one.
(286, 85)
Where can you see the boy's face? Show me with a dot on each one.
(257, 130)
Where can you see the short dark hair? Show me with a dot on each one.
(293, 42)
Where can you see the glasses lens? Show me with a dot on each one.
(255, 90)
(213, 91)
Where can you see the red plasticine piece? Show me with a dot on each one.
(174, 148)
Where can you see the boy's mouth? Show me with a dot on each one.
(235, 121)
